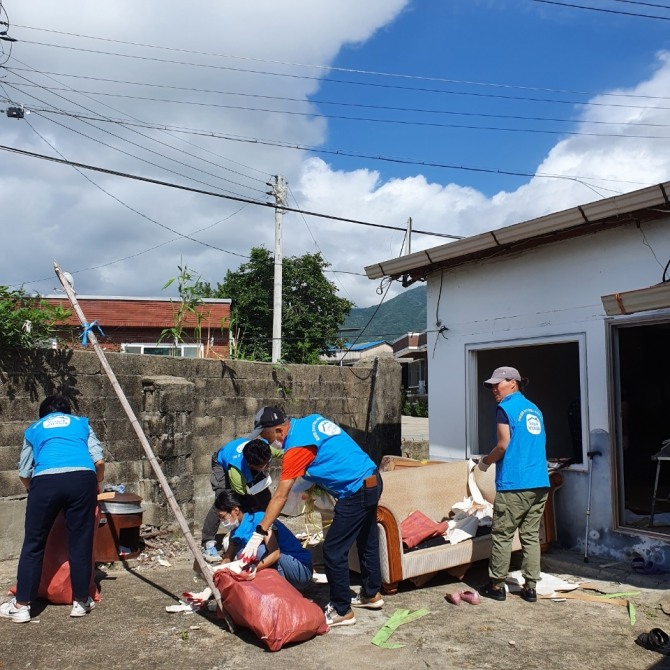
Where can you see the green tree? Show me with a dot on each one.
(26, 321)
(312, 312)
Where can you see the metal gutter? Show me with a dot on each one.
(570, 222)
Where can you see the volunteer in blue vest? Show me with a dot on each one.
(280, 550)
(240, 466)
(522, 483)
(321, 452)
(60, 465)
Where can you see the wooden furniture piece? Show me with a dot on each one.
(434, 490)
(118, 528)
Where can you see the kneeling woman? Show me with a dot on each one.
(280, 549)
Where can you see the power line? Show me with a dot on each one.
(157, 153)
(352, 154)
(388, 108)
(192, 189)
(403, 88)
(602, 9)
(341, 81)
(328, 68)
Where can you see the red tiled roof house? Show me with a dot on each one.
(134, 325)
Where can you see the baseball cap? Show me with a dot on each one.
(266, 417)
(500, 374)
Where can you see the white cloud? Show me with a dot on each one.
(50, 211)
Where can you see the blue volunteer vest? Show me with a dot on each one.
(230, 455)
(340, 465)
(60, 441)
(524, 465)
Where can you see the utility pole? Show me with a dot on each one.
(279, 192)
(408, 249)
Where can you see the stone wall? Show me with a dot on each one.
(187, 409)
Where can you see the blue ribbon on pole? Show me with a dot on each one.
(88, 327)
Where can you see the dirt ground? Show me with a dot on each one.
(131, 629)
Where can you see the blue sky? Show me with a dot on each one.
(498, 42)
(125, 87)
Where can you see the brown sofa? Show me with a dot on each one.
(433, 490)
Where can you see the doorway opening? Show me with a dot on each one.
(642, 396)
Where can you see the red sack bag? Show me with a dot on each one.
(55, 585)
(417, 527)
(269, 606)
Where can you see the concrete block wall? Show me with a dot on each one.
(187, 409)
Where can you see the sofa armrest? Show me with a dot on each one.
(389, 523)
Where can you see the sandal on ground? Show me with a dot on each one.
(453, 598)
(655, 640)
(471, 597)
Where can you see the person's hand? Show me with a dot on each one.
(248, 554)
(482, 466)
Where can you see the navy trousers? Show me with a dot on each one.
(75, 493)
(355, 520)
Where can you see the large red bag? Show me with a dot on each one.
(270, 607)
(55, 585)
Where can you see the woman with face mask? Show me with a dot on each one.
(280, 550)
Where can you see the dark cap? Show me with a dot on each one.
(266, 417)
(500, 374)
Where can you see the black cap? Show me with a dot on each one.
(266, 417)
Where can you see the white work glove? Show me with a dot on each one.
(239, 568)
(248, 554)
(482, 466)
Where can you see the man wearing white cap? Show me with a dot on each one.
(522, 483)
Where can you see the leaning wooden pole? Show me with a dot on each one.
(172, 502)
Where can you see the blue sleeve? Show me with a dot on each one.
(501, 416)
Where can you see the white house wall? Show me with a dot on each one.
(548, 292)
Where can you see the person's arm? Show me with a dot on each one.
(276, 504)
(273, 553)
(26, 464)
(99, 470)
(97, 455)
(238, 483)
(499, 450)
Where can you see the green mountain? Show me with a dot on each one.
(403, 314)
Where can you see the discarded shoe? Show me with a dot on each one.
(82, 608)
(655, 640)
(335, 619)
(374, 603)
(529, 595)
(471, 597)
(453, 598)
(18, 614)
(489, 591)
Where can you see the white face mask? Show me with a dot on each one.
(276, 445)
(229, 526)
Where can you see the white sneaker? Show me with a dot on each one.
(374, 603)
(20, 614)
(82, 608)
(211, 555)
(335, 619)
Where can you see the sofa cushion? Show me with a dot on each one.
(417, 527)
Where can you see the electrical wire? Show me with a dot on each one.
(351, 154)
(602, 9)
(330, 68)
(144, 148)
(390, 108)
(191, 189)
